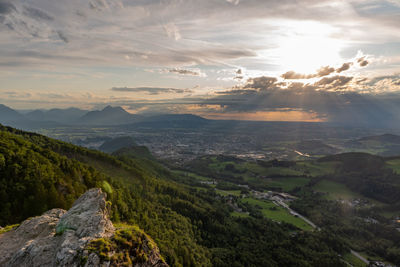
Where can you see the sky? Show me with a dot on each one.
(283, 60)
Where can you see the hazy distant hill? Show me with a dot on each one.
(384, 145)
(115, 144)
(13, 118)
(9, 115)
(171, 121)
(68, 115)
(108, 116)
(384, 138)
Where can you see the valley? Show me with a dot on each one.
(334, 185)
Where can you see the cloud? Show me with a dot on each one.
(324, 71)
(151, 90)
(37, 13)
(190, 72)
(6, 7)
(344, 67)
(62, 36)
(172, 31)
(334, 82)
(239, 75)
(292, 75)
(100, 5)
(321, 72)
(363, 61)
(261, 83)
(233, 2)
(331, 99)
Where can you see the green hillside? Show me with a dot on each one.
(191, 227)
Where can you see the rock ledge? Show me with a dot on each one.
(61, 238)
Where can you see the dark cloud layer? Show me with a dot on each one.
(330, 97)
(37, 13)
(185, 72)
(325, 71)
(6, 7)
(334, 82)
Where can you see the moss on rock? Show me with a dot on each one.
(128, 246)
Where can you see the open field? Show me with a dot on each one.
(288, 184)
(353, 260)
(335, 190)
(394, 165)
(228, 192)
(277, 213)
(192, 175)
(316, 168)
(239, 214)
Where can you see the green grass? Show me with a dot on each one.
(394, 165)
(274, 171)
(192, 175)
(228, 192)
(389, 214)
(288, 184)
(316, 168)
(221, 165)
(353, 260)
(372, 258)
(107, 187)
(239, 214)
(253, 167)
(335, 190)
(8, 228)
(277, 213)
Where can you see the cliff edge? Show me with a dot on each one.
(81, 236)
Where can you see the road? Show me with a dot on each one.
(283, 204)
(359, 256)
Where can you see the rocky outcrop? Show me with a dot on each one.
(65, 238)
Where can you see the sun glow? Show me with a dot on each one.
(306, 46)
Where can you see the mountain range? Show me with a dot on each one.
(68, 115)
(108, 116)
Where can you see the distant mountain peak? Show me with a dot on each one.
(109, 107)
(114, 109)
(7, 114)
(107, 116)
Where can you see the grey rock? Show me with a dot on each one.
(59, 238)
(88, 219)
(32, 243)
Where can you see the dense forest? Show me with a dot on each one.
(191, 227)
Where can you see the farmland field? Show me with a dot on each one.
(277, 213)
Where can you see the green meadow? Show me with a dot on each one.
(277, 213)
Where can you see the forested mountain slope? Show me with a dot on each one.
(191, 227)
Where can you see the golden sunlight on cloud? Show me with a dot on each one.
(292, 115)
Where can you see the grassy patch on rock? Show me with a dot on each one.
(8, 228)
(128, 246)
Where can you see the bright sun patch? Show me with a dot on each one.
(306, 46)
